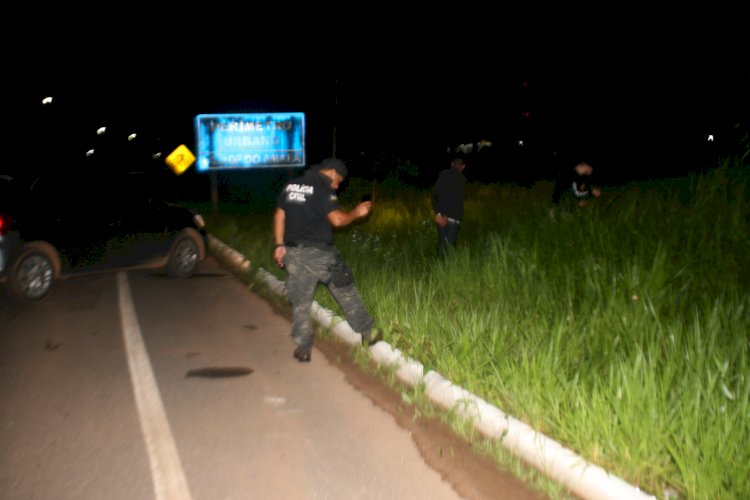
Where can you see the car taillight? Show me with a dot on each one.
(4, 224)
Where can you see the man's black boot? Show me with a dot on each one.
(373, 338)
(302, 354)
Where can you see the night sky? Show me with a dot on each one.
(633, 115)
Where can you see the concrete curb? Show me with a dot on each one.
(583, 478)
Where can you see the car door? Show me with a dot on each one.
(67, 211)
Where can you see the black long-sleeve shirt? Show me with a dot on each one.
(448, 193)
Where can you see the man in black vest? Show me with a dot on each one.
(307, 210)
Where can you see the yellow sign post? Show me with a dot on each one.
(180, 159)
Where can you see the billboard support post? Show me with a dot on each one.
(214, 194)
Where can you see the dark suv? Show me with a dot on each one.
(58, 225)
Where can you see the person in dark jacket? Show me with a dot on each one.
(307, 210)
(448, 204)
(574, 188)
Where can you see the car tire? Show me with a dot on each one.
(188, 250)
(33, 272)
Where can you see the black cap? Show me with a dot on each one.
(335, 164)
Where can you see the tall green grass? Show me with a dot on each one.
(621, 330)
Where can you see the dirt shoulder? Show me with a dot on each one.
(473, 475)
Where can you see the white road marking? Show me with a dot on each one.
(166, 468)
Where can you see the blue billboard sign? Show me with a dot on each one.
(249, 140)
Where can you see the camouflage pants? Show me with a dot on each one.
(306, 267)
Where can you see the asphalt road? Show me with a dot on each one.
(137, 386)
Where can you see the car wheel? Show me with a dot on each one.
(33, 272)
(186, 253)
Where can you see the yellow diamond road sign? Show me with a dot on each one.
(180, 159)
